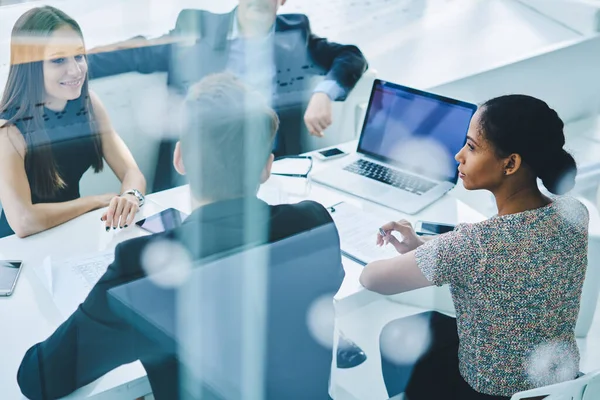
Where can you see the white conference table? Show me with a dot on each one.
(29, 315)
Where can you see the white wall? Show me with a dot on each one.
(415, 42)
(580, 15)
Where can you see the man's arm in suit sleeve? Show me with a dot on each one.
(90, 343)
(134, 55)
(345, 64)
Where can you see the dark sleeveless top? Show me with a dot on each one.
(71, 139)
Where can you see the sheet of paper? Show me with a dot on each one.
(358, 233)
(73, 279)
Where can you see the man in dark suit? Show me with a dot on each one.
(276, 54)
(226, 153)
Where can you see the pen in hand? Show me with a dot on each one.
(383, 235)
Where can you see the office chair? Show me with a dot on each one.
(586, 387)
(591, 285)
(138, 106)
(247, 321)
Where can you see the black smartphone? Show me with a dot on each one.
(163, 221)
(9, 273)
(330, 154)
(432, 228)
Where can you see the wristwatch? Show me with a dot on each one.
(138, 195)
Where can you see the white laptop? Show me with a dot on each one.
(405, 156)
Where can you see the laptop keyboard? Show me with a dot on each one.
(397, 179)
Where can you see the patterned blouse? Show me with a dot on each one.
(516, 285)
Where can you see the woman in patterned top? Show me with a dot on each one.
(515, 278)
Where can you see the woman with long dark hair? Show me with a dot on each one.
(515, 279)
(53, 129)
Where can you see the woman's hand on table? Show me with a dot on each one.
(121, 211)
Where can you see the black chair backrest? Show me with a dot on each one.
(240, 324)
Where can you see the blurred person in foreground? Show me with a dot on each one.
(226, 153)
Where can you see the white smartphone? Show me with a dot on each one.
(330, 154)
(9, 273)
(432, 228)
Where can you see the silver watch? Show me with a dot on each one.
(138, 195)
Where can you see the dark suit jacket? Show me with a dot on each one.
(198, 46)
(94, 339)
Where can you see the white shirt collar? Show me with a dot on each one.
(234, 30)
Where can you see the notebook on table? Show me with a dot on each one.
(358, 234)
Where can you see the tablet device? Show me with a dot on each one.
(163, 221)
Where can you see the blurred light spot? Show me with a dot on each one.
(424, 155)
(552, 363)
(405, 341)
(575, 216)
(150, 107)
(166, 263)
(320, 320)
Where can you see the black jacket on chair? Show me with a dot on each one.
(199, 46)
(95, 340)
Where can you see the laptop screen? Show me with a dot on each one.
(415, 130)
